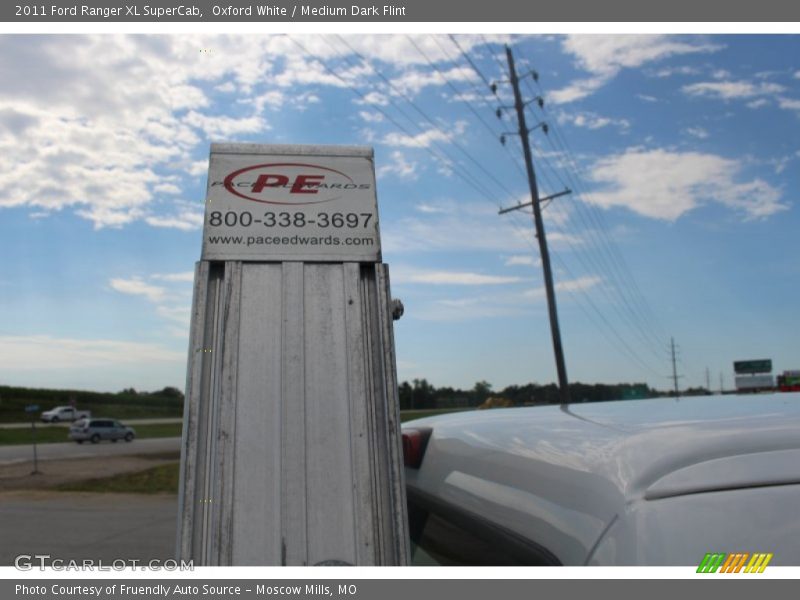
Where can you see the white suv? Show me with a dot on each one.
(95, 430)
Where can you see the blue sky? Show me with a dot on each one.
(682, 151)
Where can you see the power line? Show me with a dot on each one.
(446, 160)
(609, 255)
(675, 375)
(631, 315)
(424, 115)
(563, 384)
(457, 168)
(469, 60)
(609, 247)
(459, 94)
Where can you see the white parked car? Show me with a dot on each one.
(638, 482)
(64, 413)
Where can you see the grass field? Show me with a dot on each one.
(50, 435)
(56, 434)
(163, 478)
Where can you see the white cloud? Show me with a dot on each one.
(522, 259)
(789, 103)
(473, 226)
(697, 132)
(603, 56)
(426, 138)
(224, 127)
(591, 120)
(577, 90)
(434, 208)
(184, 277)
(759, 103)
(374, 98)
(226, 88)
(503, 303)
(38, 352)
(180, 314)
(103, 116)
(729, 90)
(663, 184)
(682, 70)
(185, 220)
(117, 121)
(167, 188)
(137, 287)
(371, 117)
(402, 275)
(412, 82)
(470, 308)
(581, 284)
(398, 166)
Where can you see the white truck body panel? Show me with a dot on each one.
(646, 482)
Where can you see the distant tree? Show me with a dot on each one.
(405, 393)
(422, 394)
(481, 391)
(169, 392)
(129, 391)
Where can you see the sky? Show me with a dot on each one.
(681, 151)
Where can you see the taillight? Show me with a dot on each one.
(415, 441)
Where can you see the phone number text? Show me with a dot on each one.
(286, 219)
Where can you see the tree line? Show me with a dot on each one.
(419, 394)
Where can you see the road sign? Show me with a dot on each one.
(31, 408)
(291, 452)
(744, 367)
(754, 382)
(279, 203)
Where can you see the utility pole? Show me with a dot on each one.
(519, 105)
(708, 380)
(721, 384)
(675, 375)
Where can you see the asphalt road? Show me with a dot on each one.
(20, 453)
(74, 526)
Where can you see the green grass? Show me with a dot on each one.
(57, 434)
(49, 435)
(163, 478)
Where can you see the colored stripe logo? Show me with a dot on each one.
(736, 562)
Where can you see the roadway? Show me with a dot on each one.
(77, 526)
(24, 452)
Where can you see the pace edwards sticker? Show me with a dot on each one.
(291, 208)
(290, 183)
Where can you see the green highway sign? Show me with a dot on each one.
(752, 366)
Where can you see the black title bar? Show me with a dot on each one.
(515, 11)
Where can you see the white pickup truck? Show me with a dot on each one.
(64, 413)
